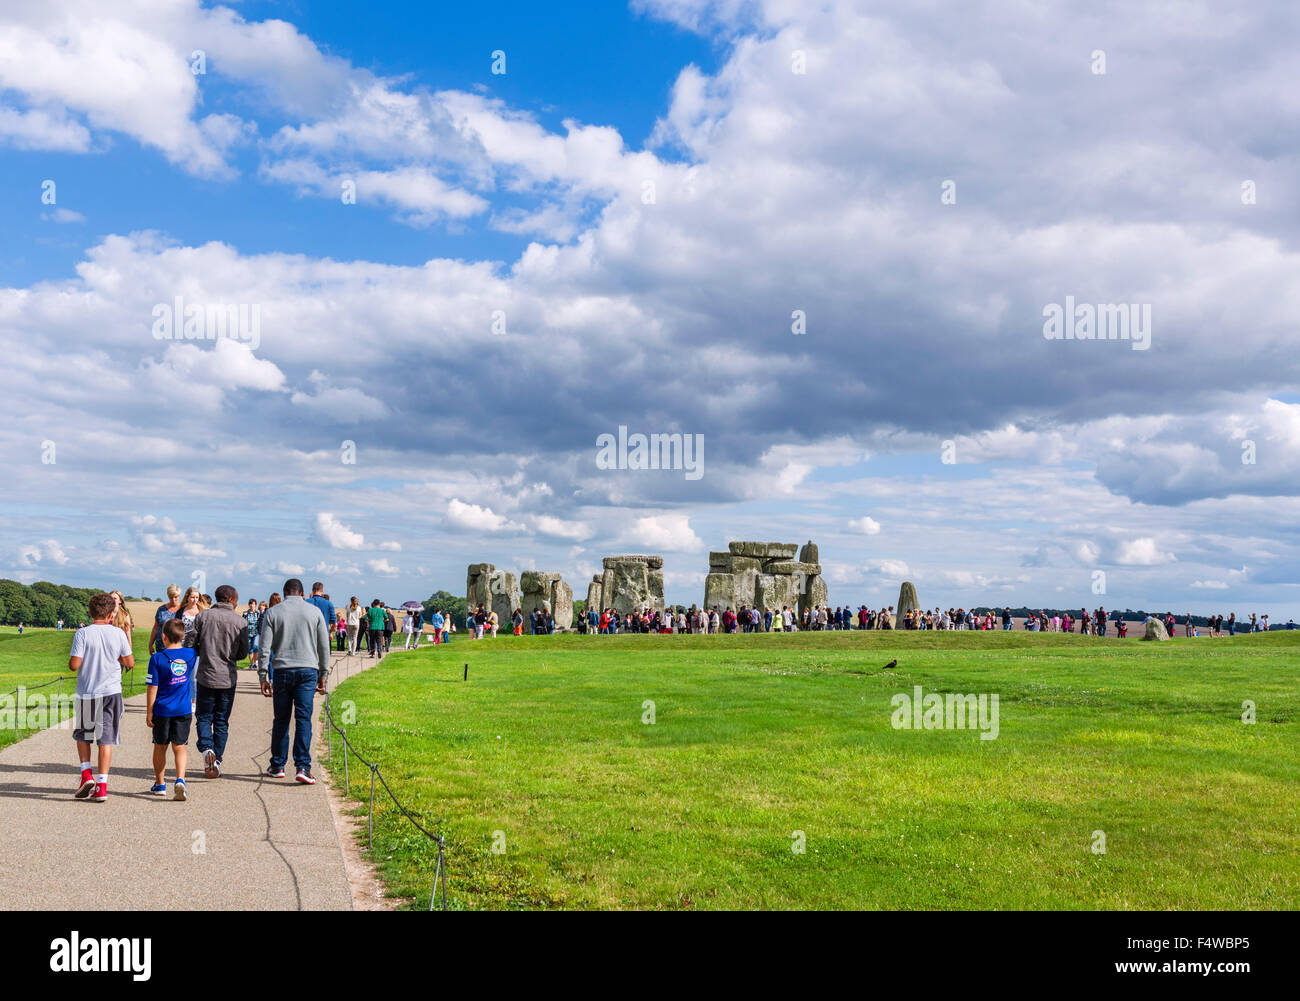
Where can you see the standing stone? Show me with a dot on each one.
(503, 596)
(562, 605)
(744, 588)
(814, 594)
(906, 599)
(787, 592)
(536, 587)
(719, 591)
(808, 554)
(1155, 630)
(766, 592)
(476, 584)
(594, 600)
(632, 582)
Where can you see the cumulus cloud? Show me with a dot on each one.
(336, 535)
(662, 532)
(865, 525)
(161, 535)
(1141, 553)
(477, 519)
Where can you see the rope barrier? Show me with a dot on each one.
(440, 866)
(60, 680)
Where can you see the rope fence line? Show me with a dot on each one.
(440, 866)
(61, 679)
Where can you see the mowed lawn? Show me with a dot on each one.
(40, 656)
(544, 753)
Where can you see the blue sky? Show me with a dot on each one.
(619, 67)
(622, 229)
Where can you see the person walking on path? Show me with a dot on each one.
(163, 613)
(221, 641)
(168, 698)
(99, 652)
(252, 616)
(408, 627)
(375, 628)
(353, 614)
(326, 606)
(296, 636)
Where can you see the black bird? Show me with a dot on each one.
(892, 663)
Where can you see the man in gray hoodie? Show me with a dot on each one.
(295, 641)
(221, 641)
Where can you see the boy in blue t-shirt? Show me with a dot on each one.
(170, 696)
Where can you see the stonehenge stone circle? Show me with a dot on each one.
(906, 599)
(628, 582)
(764, 575)
(499, 591)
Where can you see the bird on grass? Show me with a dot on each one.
(891, 664)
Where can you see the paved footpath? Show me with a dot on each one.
(240, 841)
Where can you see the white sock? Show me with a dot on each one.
(85, 766)
(101, 778)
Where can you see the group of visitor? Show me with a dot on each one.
(196, 644)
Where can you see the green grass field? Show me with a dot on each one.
(41, 655)
(544, 752)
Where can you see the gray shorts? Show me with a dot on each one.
(98, 719)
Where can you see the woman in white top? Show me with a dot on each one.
(353, 617)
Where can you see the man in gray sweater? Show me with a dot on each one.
(295, 642)
(221, 641)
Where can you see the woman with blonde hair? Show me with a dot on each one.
(164, 613)
(121, 616)
(191, 604)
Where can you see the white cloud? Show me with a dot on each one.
(336, 535)
(161, 535)
(64, 216)
(383, 568)
(865, 525)
(558, 527)
(892, 568)
(662, 533)
(344, 405)
(1141, 552)
(478, 519)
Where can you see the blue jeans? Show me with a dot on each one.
(212, 717)
(293, 691)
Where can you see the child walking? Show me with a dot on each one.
(169, 697)
(99, 652)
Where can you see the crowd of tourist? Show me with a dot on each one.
(746, 619)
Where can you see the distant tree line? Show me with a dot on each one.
(43, 603)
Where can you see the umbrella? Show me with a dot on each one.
(412, 606)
